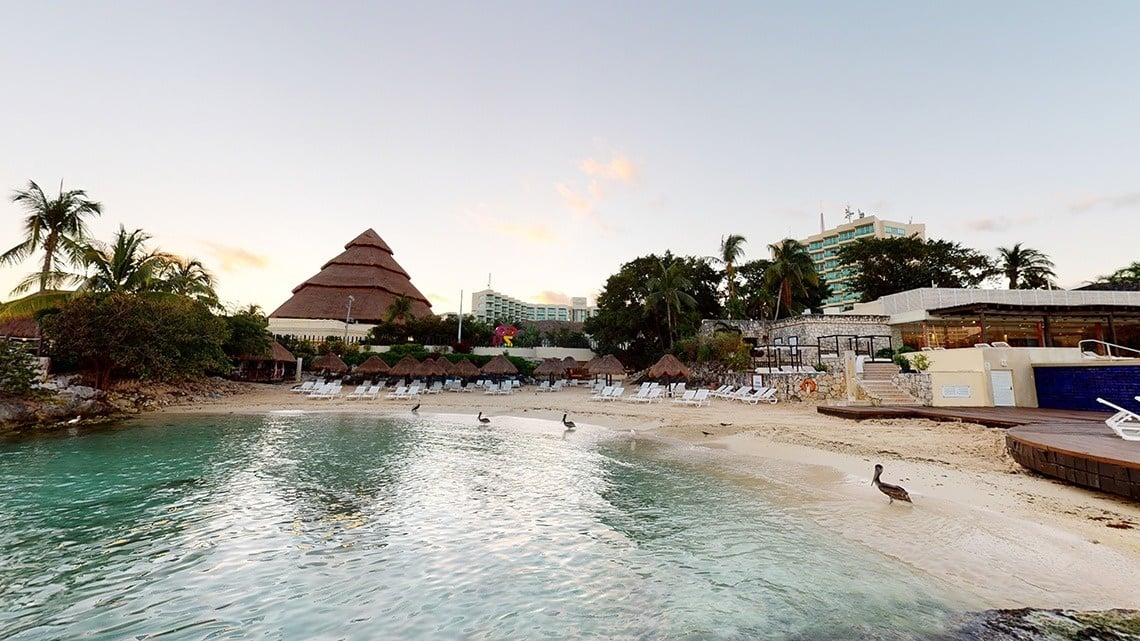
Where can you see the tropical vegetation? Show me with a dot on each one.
(55, 226)
(1026, 268)
(884, 266)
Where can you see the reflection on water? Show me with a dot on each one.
(321, 526)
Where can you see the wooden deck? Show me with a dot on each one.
(1070, 445)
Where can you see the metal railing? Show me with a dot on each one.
(861, 345)
(1097, 345)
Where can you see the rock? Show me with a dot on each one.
(1029, 624)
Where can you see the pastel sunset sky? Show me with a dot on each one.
(545, 144)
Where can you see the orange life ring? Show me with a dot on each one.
(809, 386)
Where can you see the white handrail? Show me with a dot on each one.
(1108, 347)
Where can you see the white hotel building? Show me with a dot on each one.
(488, 306)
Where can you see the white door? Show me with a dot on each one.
(1001, 382)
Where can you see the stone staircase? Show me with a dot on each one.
(876, 384)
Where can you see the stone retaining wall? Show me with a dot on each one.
(917, 384)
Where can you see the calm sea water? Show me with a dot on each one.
(320, 526)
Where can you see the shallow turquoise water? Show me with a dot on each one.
(319, 526)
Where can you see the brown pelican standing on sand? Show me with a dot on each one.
(892, 491)
(416, 409)
(569, 424)
(483, 419)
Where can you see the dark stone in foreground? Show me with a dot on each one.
(1028, 624)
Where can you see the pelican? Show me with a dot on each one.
(569, 424)
(892, 491)
(415, 408)
(483, 419)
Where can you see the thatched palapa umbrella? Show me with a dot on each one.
(405, 367)
(372, 366)
(608, 365)
(669, 368)
(330, 363)
(425, 369)
(500, 366)
(550, 367)
(465, 369)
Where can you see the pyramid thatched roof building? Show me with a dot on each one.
(368, 272)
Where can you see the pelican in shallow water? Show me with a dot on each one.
(483, 419)
(416, 409)
(892, 491)
(569, 424)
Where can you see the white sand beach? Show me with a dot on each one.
(979, 521)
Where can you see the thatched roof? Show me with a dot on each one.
(570, 362)
(607, 365)
(372, 365)
(464, 368)
(550, 367)
(499, 365)
(406, 366)
(368, 272)
(24, 327)
(330, 363)
(669, 367)
(426, 368)
(276, 352)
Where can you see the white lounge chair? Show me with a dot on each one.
(739, 394)
(1125, 423)
(701, 398)
(329, 391)
(399, 392)
(603, 394)
(686, 398)
(304, 388)
(761, 395)
(435, 388)
(654, 394)
(357, 393)
(615, 394)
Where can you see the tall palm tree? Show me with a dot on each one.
(1026, 268)
(189, 277)
(54, 225)
(671, 288)
(790, 273)
(125, 264)
(400, 308)
(731, 251)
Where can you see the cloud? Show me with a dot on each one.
(234, 259)
(530, 232)
(584, 201)
(618, 168)
(1120, 201)
(552, 298)
(999, 223)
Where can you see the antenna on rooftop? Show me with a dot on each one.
(821, 227)
(488, 280)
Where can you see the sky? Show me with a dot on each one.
(538, 146)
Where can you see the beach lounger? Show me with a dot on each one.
(399, 392)
(654, 394)
(1125, 423)
(615, 394)
(739, 394)
(761, 395)
(327, 391)
(701, 397)
(605, 392)
(357, 393)
(686, 398)
(544, 386)
(304, 388)
(435, 388)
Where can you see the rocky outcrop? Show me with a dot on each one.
(1050, 625)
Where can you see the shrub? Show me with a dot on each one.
(17, 370)
(920, 362)
(902, 362)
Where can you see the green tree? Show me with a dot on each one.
(756, 299)
(669, 289)
(790, 274)
(399, 310)
(1026, 268)
(17, 370)
(54, 225)
(123, 334)
(731, 251)
(248, 333)
(124, 264)
(883, 266)
(1123, 279)
(189, 277)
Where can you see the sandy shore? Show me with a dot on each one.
(995, 531)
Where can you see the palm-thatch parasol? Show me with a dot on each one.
(465, 369)
(670, 369)
(550, 367)
(371, 366)
(500, 366)
(425, 369)
(608, 365)
(444, 365)
(405, 367)
(570, 363)
(330, 363)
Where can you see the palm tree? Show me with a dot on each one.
(55, 226)
(124, 265)
(790, 273)
(189, 277)
(400, 308)
(670, 288)
(731, 251)
(1026, 268)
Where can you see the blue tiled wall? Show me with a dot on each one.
(1076, 388)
